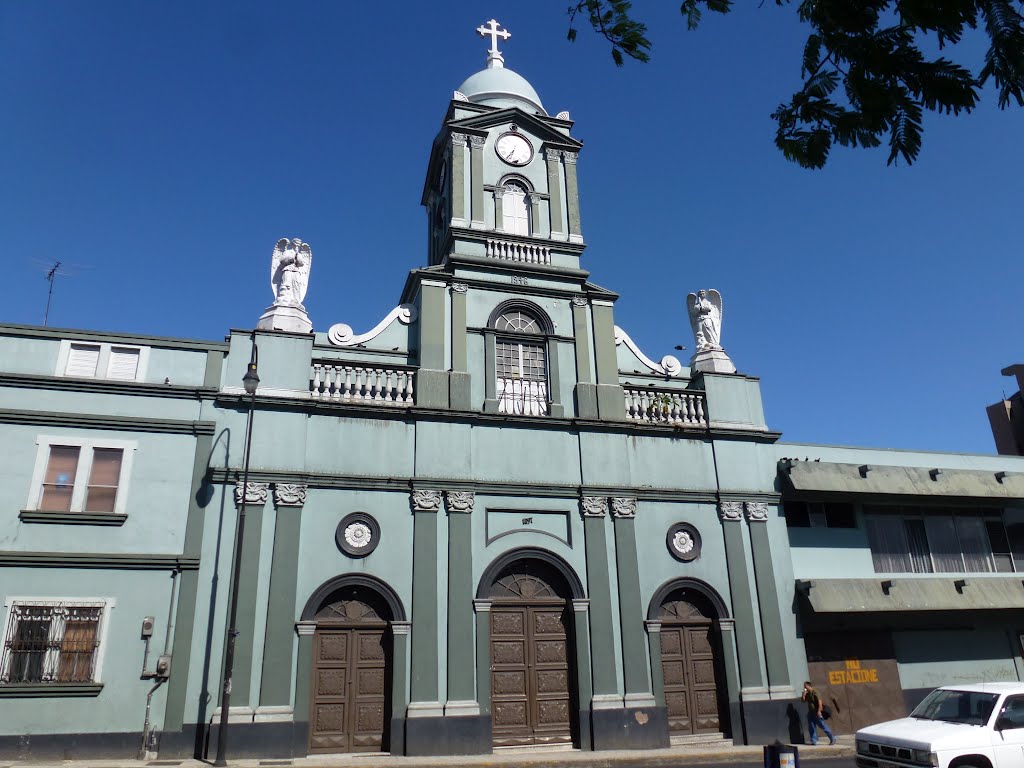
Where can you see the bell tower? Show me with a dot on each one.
(501, 182)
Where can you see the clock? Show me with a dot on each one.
(514, 149)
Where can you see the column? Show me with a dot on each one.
(631, 618)
(460, 397)
(611, 399)
(483, 655)
(752, 682)
(432, 379)
(584, 681)
(727, 634)
(303, 682)
(572, 198)
(554, 384)
(251, 507)
(535, 220)
(499, 212)
(602, 641)
(779, 683)
(490, 372)
(424, 655)
(553, 159)
(461, 679)
(459, 180)
(399, 687)
(275, 686)
(476, 180)
(654, 649)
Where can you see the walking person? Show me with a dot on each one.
(814, 714)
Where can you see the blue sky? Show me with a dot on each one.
(161, 149)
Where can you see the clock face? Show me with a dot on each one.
(514, 149)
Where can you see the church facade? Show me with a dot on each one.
(490, 521)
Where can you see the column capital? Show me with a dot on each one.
(581, 605)
(726, 625)
(425, 500)
(553, 155)
(580, 301)
(289, 494)
(594, 506)
(730, 511)
(303, 628)
(255, 493)
(624, 507)
(757, 511)
(570, 157)
(401, 627)
(653, 627)
(459, 288)
(459, 139)
(460, 501)
(482, 606)
(477, 142)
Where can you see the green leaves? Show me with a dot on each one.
(873, 49)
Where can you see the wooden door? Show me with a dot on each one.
(531, 700)
(349, 692)
(689, 667)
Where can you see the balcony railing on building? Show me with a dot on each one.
(339, 382)
(677, 408)
(523, 397)
(510, 250)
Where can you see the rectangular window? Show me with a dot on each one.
(51, 642)
(887, 537)
(522, 378)
(102, 361)
(829, 514)
(81, 475)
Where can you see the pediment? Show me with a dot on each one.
(524, 120)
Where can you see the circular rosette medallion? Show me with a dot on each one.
(683, 542)
(357, 534)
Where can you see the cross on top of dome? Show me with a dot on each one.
(491, 29)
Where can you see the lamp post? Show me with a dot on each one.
(250, 381)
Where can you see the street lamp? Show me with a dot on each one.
(250, 381)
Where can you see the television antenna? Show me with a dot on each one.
(51, 278)
(50, 272)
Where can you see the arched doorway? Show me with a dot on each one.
(691, 663)
(533, 676)
(350, 694)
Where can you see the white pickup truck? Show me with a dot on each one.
(958, 726)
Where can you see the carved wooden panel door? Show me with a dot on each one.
(349, 693)
(530, 678)
(689, 667)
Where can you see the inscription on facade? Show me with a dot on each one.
(517, 280)
(853, 673)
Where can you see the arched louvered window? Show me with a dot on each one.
(521, 370)
(515, 209)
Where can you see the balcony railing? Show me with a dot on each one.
(676, 408)
(364, 384)
(509, 250)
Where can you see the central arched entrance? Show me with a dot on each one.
(533, 679)
(691, 663)
(350, 694)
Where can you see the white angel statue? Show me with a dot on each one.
(705, 308)
(289, 271)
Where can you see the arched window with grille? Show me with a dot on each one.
(521, 363)
(515, 209)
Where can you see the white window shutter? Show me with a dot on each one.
(82, 360)
(124, 363)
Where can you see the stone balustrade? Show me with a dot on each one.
(362, 383)
(509, 250)
(682, 408)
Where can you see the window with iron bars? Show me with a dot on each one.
(51, 642)
(521, 369)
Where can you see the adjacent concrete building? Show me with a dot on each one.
(489, 521)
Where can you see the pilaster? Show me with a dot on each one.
(424, 655)
(459, 180)
(482, 612)
(584, 679)
(611, 399)
(476, 181)
(305, 631)
(727, 633)
(779, 683)
(553, 158)
(602, 641)
(554, 384)
(490, 367)
(461, 678)
(654, 650)
(499, 211)
(275, 686)
(586, 391)
(432, 380)
(399, 684)
(634, 657)
(572, 198)
(460, 397)
(751, 670)
(250, 505)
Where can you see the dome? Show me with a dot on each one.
(501, 87)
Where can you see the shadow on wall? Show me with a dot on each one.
(795, 724)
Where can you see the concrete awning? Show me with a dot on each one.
(914, 594)
(888, 480)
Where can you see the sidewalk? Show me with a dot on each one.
(656, 758)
